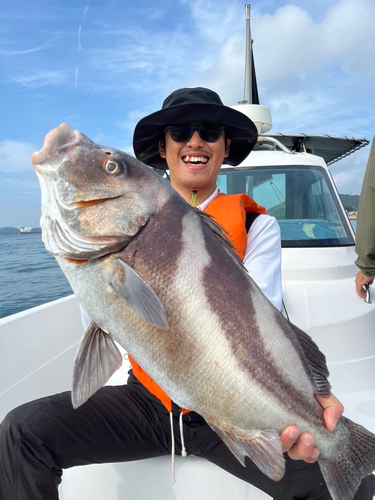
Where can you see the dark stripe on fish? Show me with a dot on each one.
(157, 261)
(232, 294)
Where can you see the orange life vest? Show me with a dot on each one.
(230, 213)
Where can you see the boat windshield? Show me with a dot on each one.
(300, 198)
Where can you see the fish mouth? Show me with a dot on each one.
(59, 146)
(90, 203)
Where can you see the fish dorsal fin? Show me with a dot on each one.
(220, 232)
(139, 295)
(264, 448)
(316, 361)
(96, 361)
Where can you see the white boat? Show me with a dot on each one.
(318, 257)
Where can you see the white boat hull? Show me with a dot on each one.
(44, 364)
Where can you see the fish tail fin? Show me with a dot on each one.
(344, 475)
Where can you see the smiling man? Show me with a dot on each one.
(194, 161)
(192, 136)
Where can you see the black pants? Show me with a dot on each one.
(119, 424)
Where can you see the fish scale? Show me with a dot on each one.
(162, 280)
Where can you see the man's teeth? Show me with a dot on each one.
(195, 159)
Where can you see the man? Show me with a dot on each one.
(195, 166)
(39, 439)
(365, 234)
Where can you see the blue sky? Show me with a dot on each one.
(101, 65)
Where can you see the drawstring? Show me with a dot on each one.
(183, 451)
(173, 452)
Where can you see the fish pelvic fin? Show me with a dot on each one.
(96, 361)
(264, 448)
(344, 475)
(139, 295)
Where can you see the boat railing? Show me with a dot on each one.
(270, 143)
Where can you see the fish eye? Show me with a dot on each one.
(112, 167)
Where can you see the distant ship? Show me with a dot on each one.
(29, 230)
(352, 215)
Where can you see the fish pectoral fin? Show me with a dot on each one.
(139, 295)
(96, 361)
(264, 448)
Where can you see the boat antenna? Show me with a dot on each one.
(251, 95)
(248, 96)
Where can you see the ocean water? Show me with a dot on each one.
(29, 275)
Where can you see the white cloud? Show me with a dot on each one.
(16, 187)
(213, 20)
(42, 78)
(15, 156)
(348, 182)
(291, 47)
(293, 52)
(348, 173)
(22, 52)
(126, 61)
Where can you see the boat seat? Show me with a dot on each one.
(151, 479)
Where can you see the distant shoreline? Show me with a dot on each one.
(9, 230)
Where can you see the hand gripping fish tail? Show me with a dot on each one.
(154, 276)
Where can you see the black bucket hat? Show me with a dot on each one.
(193, 106)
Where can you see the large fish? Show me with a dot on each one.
(156, 276)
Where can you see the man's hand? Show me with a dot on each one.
(360, 282)
(303, 448)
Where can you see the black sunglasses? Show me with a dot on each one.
(207, 132)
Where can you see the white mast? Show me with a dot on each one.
(249, 48)
(260, 115)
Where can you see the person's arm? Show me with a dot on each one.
(263, 257)
(365, 234)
